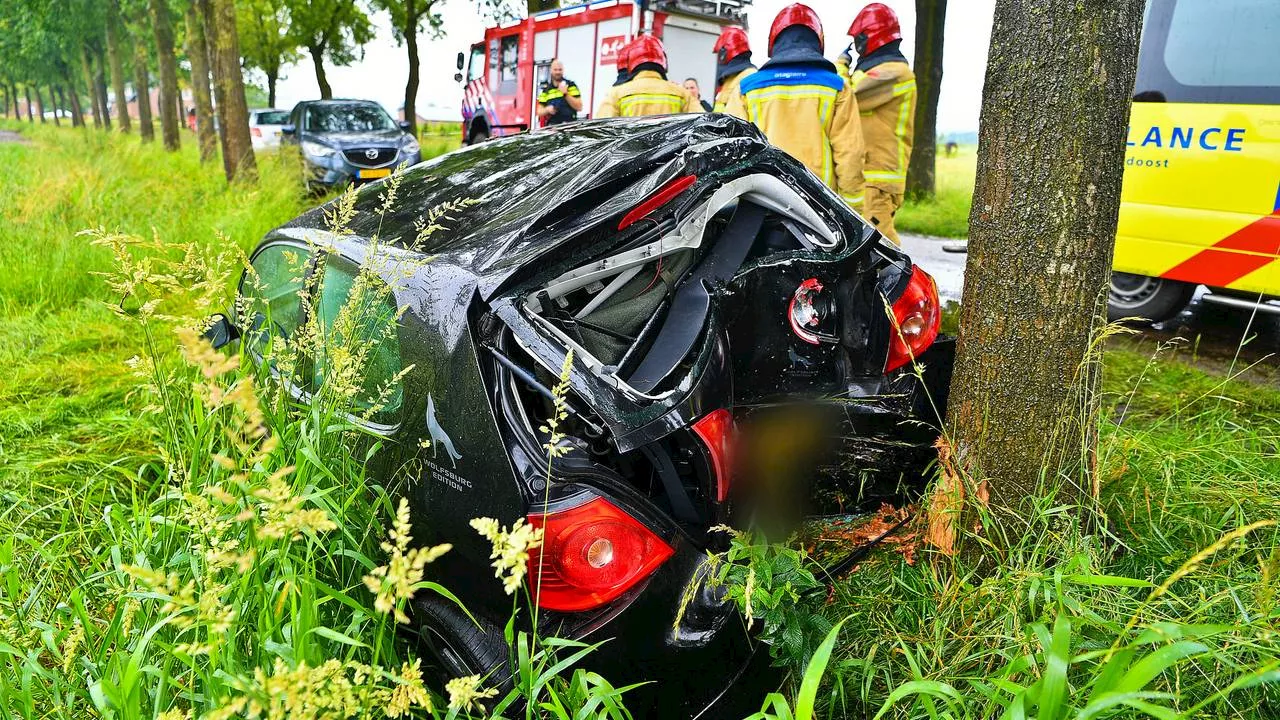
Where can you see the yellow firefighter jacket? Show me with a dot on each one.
(646, 94)
(729, 88)
(811, 113)
(887, 100)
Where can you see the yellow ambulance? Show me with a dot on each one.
(1201, 198)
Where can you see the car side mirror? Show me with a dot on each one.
(457, 77)
(460, 60)
(404, 125)
(220, 331)
(289, 129)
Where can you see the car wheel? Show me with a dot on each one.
(1140, 296)
(458, 645)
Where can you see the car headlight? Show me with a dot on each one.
(411, 146)
(316, 150)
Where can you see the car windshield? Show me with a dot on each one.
(350, 117)
(273, 117)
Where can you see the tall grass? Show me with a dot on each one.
(947, 213)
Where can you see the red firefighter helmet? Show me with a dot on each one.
(624, 57)
(731, 43)
(791, 15)
(646, 49)
(879, 23)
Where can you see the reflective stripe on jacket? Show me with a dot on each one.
(811, 113)
(646, 94)
(887, 101)
(729, 88)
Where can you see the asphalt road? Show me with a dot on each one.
(1215, 331)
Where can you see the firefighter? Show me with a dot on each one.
(803, 106)
(733, 62)
(560, 99)
(624, 65)
(648, 92)
(886, 91)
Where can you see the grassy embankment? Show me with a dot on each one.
(947, 214)
(1188, 456)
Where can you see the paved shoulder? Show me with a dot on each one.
(946, 268)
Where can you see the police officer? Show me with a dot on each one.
(886, 90)
(803, 106)
(733, 62)
(648, 92)
(559, 99)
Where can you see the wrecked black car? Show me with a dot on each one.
(701, 278)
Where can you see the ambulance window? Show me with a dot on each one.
(510, 59)
(476, 69)
(1225, 44)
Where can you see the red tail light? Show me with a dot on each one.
(591, 554)
(663, 196)
(917, 317)
(716, 431)
(257, 132)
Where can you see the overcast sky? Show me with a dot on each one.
(381, 74)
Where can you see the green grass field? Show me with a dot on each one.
(1157, 606)
(947, 214)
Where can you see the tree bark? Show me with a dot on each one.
(88, 84)
(100, 86)
(117, 67)
(237, 148)
(931, 19)
(26, 90)
(73, 99)
(317, 60)
(1023, 407)
(410, 32)
(53, 100)
(198, 52)
(142, 88)
(160, 22)
(39, 105)
(271, 88)
(205, 9)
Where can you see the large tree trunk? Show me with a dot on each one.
(100, 85)
(26, 91)
(205, 9)
(1023, 407)
(117, 67)
(39, 105)
(931, 19)
(317, 60)
(198, 52)
(160, 22)
(237, 148)
(272, 77)
(410, 32)
(73, 99)
(142, 88)
(88, 84)
(53, 100)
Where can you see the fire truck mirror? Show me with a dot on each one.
(460, 59)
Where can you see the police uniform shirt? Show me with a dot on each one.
(551, 95)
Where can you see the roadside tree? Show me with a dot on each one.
(266, 40)
(162, 25)
(407, 19)
(113, 31)
(1023, 410)
(931, 20)
(201, 90)
(333, 29)
(233, 114)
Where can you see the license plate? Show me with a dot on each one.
(371, 174)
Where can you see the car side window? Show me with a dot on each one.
(510, 62)
(358, 320)
(273, 292)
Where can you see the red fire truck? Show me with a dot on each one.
(503, 73)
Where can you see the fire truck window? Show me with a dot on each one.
(475, 70)
(510, 57)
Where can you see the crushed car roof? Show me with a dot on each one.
(506, 202)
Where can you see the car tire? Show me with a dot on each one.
(458, 645)
(1133, 297)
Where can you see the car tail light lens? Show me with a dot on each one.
(807, 310)
(716, 432)
(591, 554)
(663, 196)
(917, 317)
(257, 132)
